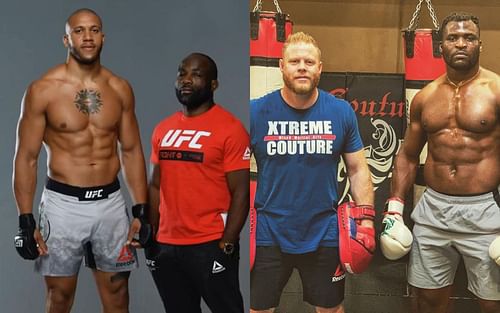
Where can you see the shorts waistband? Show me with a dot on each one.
(463, 199)
(83, 193)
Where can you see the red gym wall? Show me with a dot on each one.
(365, 35)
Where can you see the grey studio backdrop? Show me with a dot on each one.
(145, 40)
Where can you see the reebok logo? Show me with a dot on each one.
(175, 138)
(125, 258)
(93, 194)
(339, 274)
(217, 268)
(247, 154)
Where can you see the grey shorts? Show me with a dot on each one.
(84, 222)
(448, 228)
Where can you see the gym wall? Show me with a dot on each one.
(145, 41)
(365, 36)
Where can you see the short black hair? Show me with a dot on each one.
(212, 65)
(458, 17)
(87, 10)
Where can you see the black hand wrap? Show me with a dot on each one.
(146, 236)
(24, 240)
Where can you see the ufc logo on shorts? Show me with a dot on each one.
(175, 138)
(91, 194)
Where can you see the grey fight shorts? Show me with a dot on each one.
(90, 223)
(448, 228)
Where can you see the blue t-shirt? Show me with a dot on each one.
(297, 154)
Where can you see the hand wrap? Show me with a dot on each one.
(146, 234)
(25, 241)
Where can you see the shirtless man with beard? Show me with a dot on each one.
(84, 116)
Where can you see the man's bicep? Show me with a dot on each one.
(129, 131)
(154, 175)
(415, 136)
(31, 124)
(129, 135)
(355, 161)
(238, 180)
(414, 141)
(129, 128)
(237, 149)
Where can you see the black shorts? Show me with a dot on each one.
(186, 274)
(320, 272)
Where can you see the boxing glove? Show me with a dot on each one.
(494, 250)
(146, 235)
(24, 240)
(396, 238)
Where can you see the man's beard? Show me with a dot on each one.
(470, 63)
(195, 99)
(86, 61)
(301, 89)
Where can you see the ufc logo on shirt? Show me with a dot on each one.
(175, 138)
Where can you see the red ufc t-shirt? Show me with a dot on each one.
(194, 154)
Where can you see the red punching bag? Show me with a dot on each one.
(268, 32)
(423, 64)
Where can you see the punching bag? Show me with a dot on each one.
(268, 32)
(423, 64)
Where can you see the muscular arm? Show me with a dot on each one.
(154, 195)
(360, 181)
(239, 186)
(359, 177)
(132, 158)
(30, 132)
(405, 167)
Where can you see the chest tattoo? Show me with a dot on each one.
(88, 101)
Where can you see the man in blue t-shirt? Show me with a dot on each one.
(298, 134)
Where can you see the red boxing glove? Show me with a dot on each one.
(356, 242)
